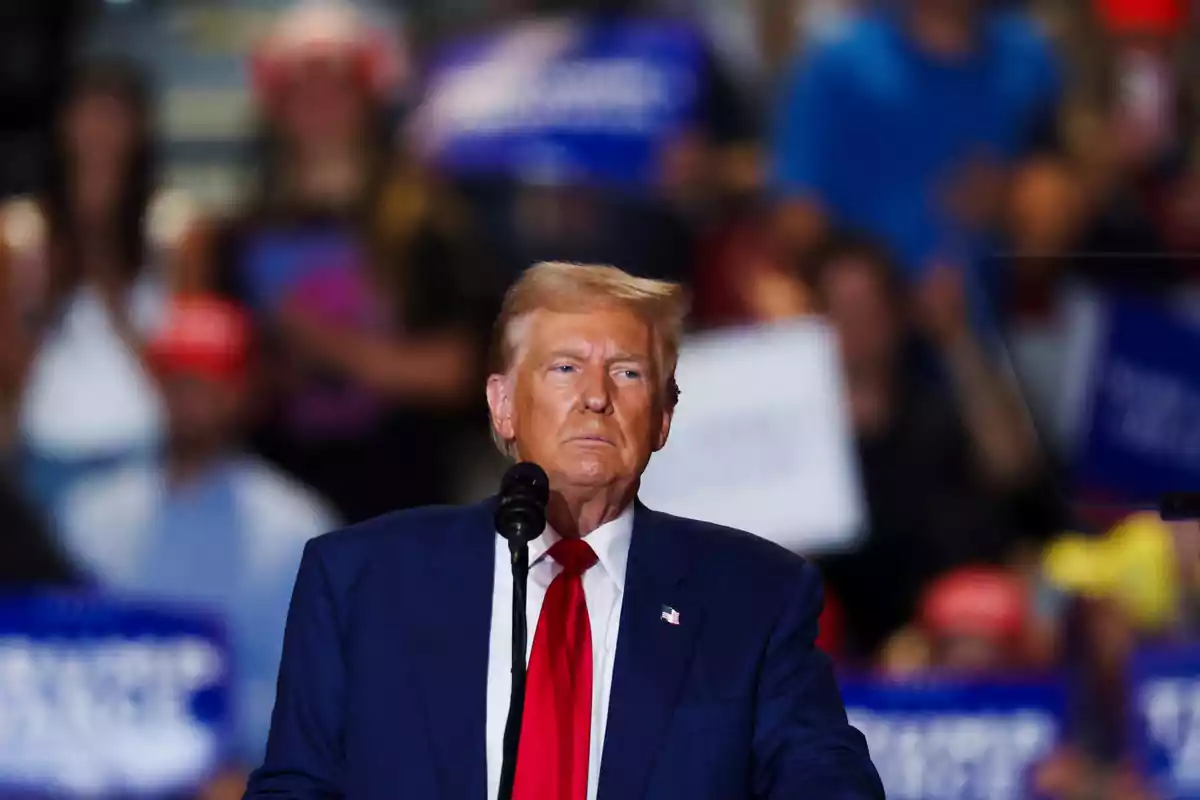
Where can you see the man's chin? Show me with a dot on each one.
(588, 472)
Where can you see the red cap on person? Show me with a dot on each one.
(1142, 16)
(204, 335)
(976, 601)
(329, 33)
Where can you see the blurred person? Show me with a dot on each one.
(356, 265)
(397, 659)
(206, 524)
(971, 622)
(1130, 187)
(909, 125)
(1130, 586)
(951, 473)
(85, 269)
(740, 279)
(977, 619)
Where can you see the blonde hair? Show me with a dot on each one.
(569, 288)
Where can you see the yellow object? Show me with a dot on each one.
(1134, 564)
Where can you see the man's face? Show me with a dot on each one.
(203, 413)
(323, 105)
(969, 655)
(583, 400)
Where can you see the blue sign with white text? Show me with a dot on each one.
(103, 698)
(1165, 734)
(1141, 427)
(943, 739)
(562, 101)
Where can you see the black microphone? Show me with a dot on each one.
(520, 518)
(521, 514)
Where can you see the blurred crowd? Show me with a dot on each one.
(188, 394)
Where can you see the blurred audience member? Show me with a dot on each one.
(29, 555)
(353, 262)
(949, 476)
(908, 126)
(977, 620)
(971, 622)
(1130, 587)
(1129, 126)
(740, 280)
(83, 278)
(205, 525)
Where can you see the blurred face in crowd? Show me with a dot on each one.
(323, 106)
(203, 412)
(969, 655)
(100, 127)
(858, 305)
(584, 398)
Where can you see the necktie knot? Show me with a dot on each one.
(575, 555)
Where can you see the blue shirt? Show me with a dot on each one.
(875, 129)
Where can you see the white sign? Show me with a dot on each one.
(90, 716)
(761, 440)
(956, 756)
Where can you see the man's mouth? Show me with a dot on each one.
(592, 437)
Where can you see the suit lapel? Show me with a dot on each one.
(450, 651)
(652, 655)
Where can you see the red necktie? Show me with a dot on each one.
(552, 760)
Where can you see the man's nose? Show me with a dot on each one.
(597, 391)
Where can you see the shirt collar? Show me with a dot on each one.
(610, 542)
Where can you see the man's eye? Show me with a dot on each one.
(564, 368)
(631, 374)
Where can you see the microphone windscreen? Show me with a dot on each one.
(526, 477)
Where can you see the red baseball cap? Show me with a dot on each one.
(340, 35)
(203, 335)
(976, 601)
(1142, 16)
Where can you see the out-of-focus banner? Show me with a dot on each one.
(950, 740)
(101, 698)
(1139, 430)
(562, 101)
(761, 439)
(1165, 723)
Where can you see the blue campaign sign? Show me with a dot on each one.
(564, 101)
(1165, 719)
(1141, 423)
(943, 739)
(103, 698)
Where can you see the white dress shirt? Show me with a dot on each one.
(603, 586)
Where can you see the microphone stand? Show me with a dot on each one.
(519, 549)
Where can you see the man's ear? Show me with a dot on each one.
(500, 406)
(664, 429)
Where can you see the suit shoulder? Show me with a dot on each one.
(739, 550)
(355, 544)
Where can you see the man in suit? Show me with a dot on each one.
(671, 658)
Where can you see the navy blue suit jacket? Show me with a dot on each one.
(382, 687)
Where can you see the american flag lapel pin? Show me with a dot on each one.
(670, 615)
